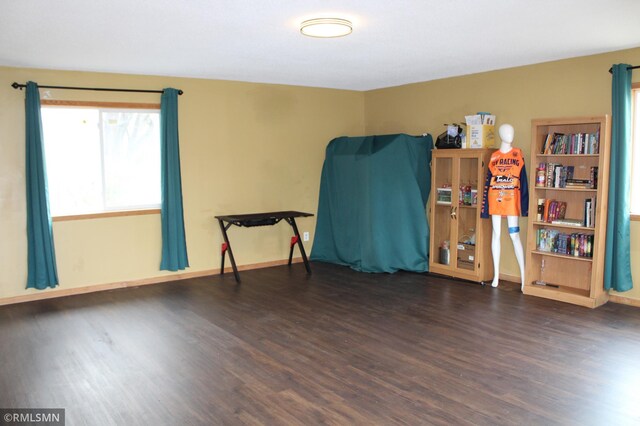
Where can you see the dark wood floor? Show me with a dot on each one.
(339, 347)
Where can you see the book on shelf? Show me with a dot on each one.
(562, 211)
(549, 177)
(569, 172)
(556, 175)
(546, 147)
(589, 212)
(566, 173)
(572, 143)
(594, 142)
(554, 211)
(545, 211)
(579, 183)
(549, 210)
(593, 177)
(557, 143)
(575, 244)
(559, 176)
(569, 222)
(540, 209)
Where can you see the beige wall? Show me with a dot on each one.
(244, 148)
(580, 86)
(256, 147)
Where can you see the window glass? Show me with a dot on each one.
(101, 160)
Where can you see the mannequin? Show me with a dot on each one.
(506, 194)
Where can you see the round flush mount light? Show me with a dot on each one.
(326, 27)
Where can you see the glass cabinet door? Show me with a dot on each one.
(444, 205)
(466, 213)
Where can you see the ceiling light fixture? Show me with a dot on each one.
(326, 27)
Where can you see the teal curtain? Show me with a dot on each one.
(41, 256)
(174, 245)
(371, 210)
(617, 268)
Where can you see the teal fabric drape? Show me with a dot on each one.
(41, 256)
(174, 244)
(371, 212)
(617, 267)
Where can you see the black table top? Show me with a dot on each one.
(262, 216)
(260, 219)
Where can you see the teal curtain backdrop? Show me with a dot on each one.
(174, 244)
(41, 256)
(617, 267)
(373, 195)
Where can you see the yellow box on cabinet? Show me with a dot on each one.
(481, 135)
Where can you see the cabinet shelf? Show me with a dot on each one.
(568, 155)
(558, 225)
(462, 206)
(551, 188)
(562, 256)
(575, 296)
(550, 287)
(578, 280)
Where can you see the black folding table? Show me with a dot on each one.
(260, 219)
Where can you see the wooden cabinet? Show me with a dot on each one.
(565, 257)
(460, 240)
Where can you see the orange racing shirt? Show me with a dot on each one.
(506, 192)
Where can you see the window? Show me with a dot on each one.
(101, 159)
(635, 169)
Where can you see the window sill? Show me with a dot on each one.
(635, 218)
(109, 214)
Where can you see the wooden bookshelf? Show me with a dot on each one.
(568, 277)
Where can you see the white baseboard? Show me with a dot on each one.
(60, 292)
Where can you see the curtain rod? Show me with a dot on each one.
(100, 89)
(628, 68)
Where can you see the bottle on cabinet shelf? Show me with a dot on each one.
(541, 173)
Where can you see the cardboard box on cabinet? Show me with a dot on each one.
(481, 136)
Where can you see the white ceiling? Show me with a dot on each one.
(393, 42)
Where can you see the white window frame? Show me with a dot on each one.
(104, 105)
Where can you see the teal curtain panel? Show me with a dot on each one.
(41, 256)
(371, 211)
(617, 266)
(174, 244)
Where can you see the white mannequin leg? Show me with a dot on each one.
(512, 221)
(496, 221)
